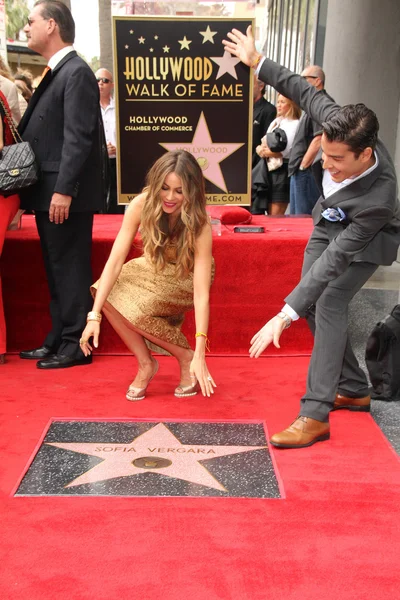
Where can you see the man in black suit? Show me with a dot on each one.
(263, 114)
(63, 125)
(356, 228)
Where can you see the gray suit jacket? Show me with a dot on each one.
(371, 231)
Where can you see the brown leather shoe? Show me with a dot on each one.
(355, 404)
(303, 432)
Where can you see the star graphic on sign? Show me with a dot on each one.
(156, 37)
(126, 46)
(151, 49)
(208, 35)
(185, 43)
(208, 154)
(131, 31)
(166, 49)
(226, 64)
(155, 451)
(141, 40)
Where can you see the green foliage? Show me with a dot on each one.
(17, 13)
(95, 63)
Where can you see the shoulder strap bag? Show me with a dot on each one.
(18, 166)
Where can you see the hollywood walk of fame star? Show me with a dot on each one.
(211, 153)
(141, 40)
(166, 49)
(226, 64)
(208, 35)
(158, 450)
(185, 43)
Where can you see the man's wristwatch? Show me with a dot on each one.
(285, 318)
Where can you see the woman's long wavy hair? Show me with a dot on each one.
(155, 228)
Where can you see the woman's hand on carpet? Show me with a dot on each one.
(271, 332)
(92, 330)
(199, 371)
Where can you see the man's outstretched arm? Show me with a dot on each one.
(315, 103)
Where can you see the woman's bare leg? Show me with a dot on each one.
(136, 344)
(277, 208)
(134, 339)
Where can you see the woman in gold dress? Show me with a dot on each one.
(146, 298)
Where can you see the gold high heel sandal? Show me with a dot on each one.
(133, 394)
(186, 391)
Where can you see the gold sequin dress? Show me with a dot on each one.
(153, 302)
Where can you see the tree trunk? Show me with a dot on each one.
(105, 29)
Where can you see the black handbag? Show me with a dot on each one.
(18, 166)
(382, 357)
(277, 140)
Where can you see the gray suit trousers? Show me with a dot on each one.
(333, 366)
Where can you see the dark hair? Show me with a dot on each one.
(355, 125)
(54, 9)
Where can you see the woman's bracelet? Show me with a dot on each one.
(201, 334)
(94, 316)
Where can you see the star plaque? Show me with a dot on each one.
(135, 458)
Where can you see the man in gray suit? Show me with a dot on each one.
(356, 228)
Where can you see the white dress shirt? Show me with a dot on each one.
(109, 121)
(58, 56)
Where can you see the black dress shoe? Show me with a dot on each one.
(61, 361)
(37, 353)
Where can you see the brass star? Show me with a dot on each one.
(185, 43)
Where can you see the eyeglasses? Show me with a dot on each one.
(310, 76)
(104, 79)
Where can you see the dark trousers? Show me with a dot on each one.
(333, 366)
(67, 252)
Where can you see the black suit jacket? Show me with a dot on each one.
(263, 114)
(371, 230)
(63, 124)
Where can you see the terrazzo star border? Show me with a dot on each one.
(155, 458)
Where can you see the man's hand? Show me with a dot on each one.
(242, 46)
(111, 149)
(271, 332)
(59, 208)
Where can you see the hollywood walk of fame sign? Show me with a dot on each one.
(152, 459)
(177, 88)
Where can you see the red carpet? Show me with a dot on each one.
(254, 273)
(336, 534)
